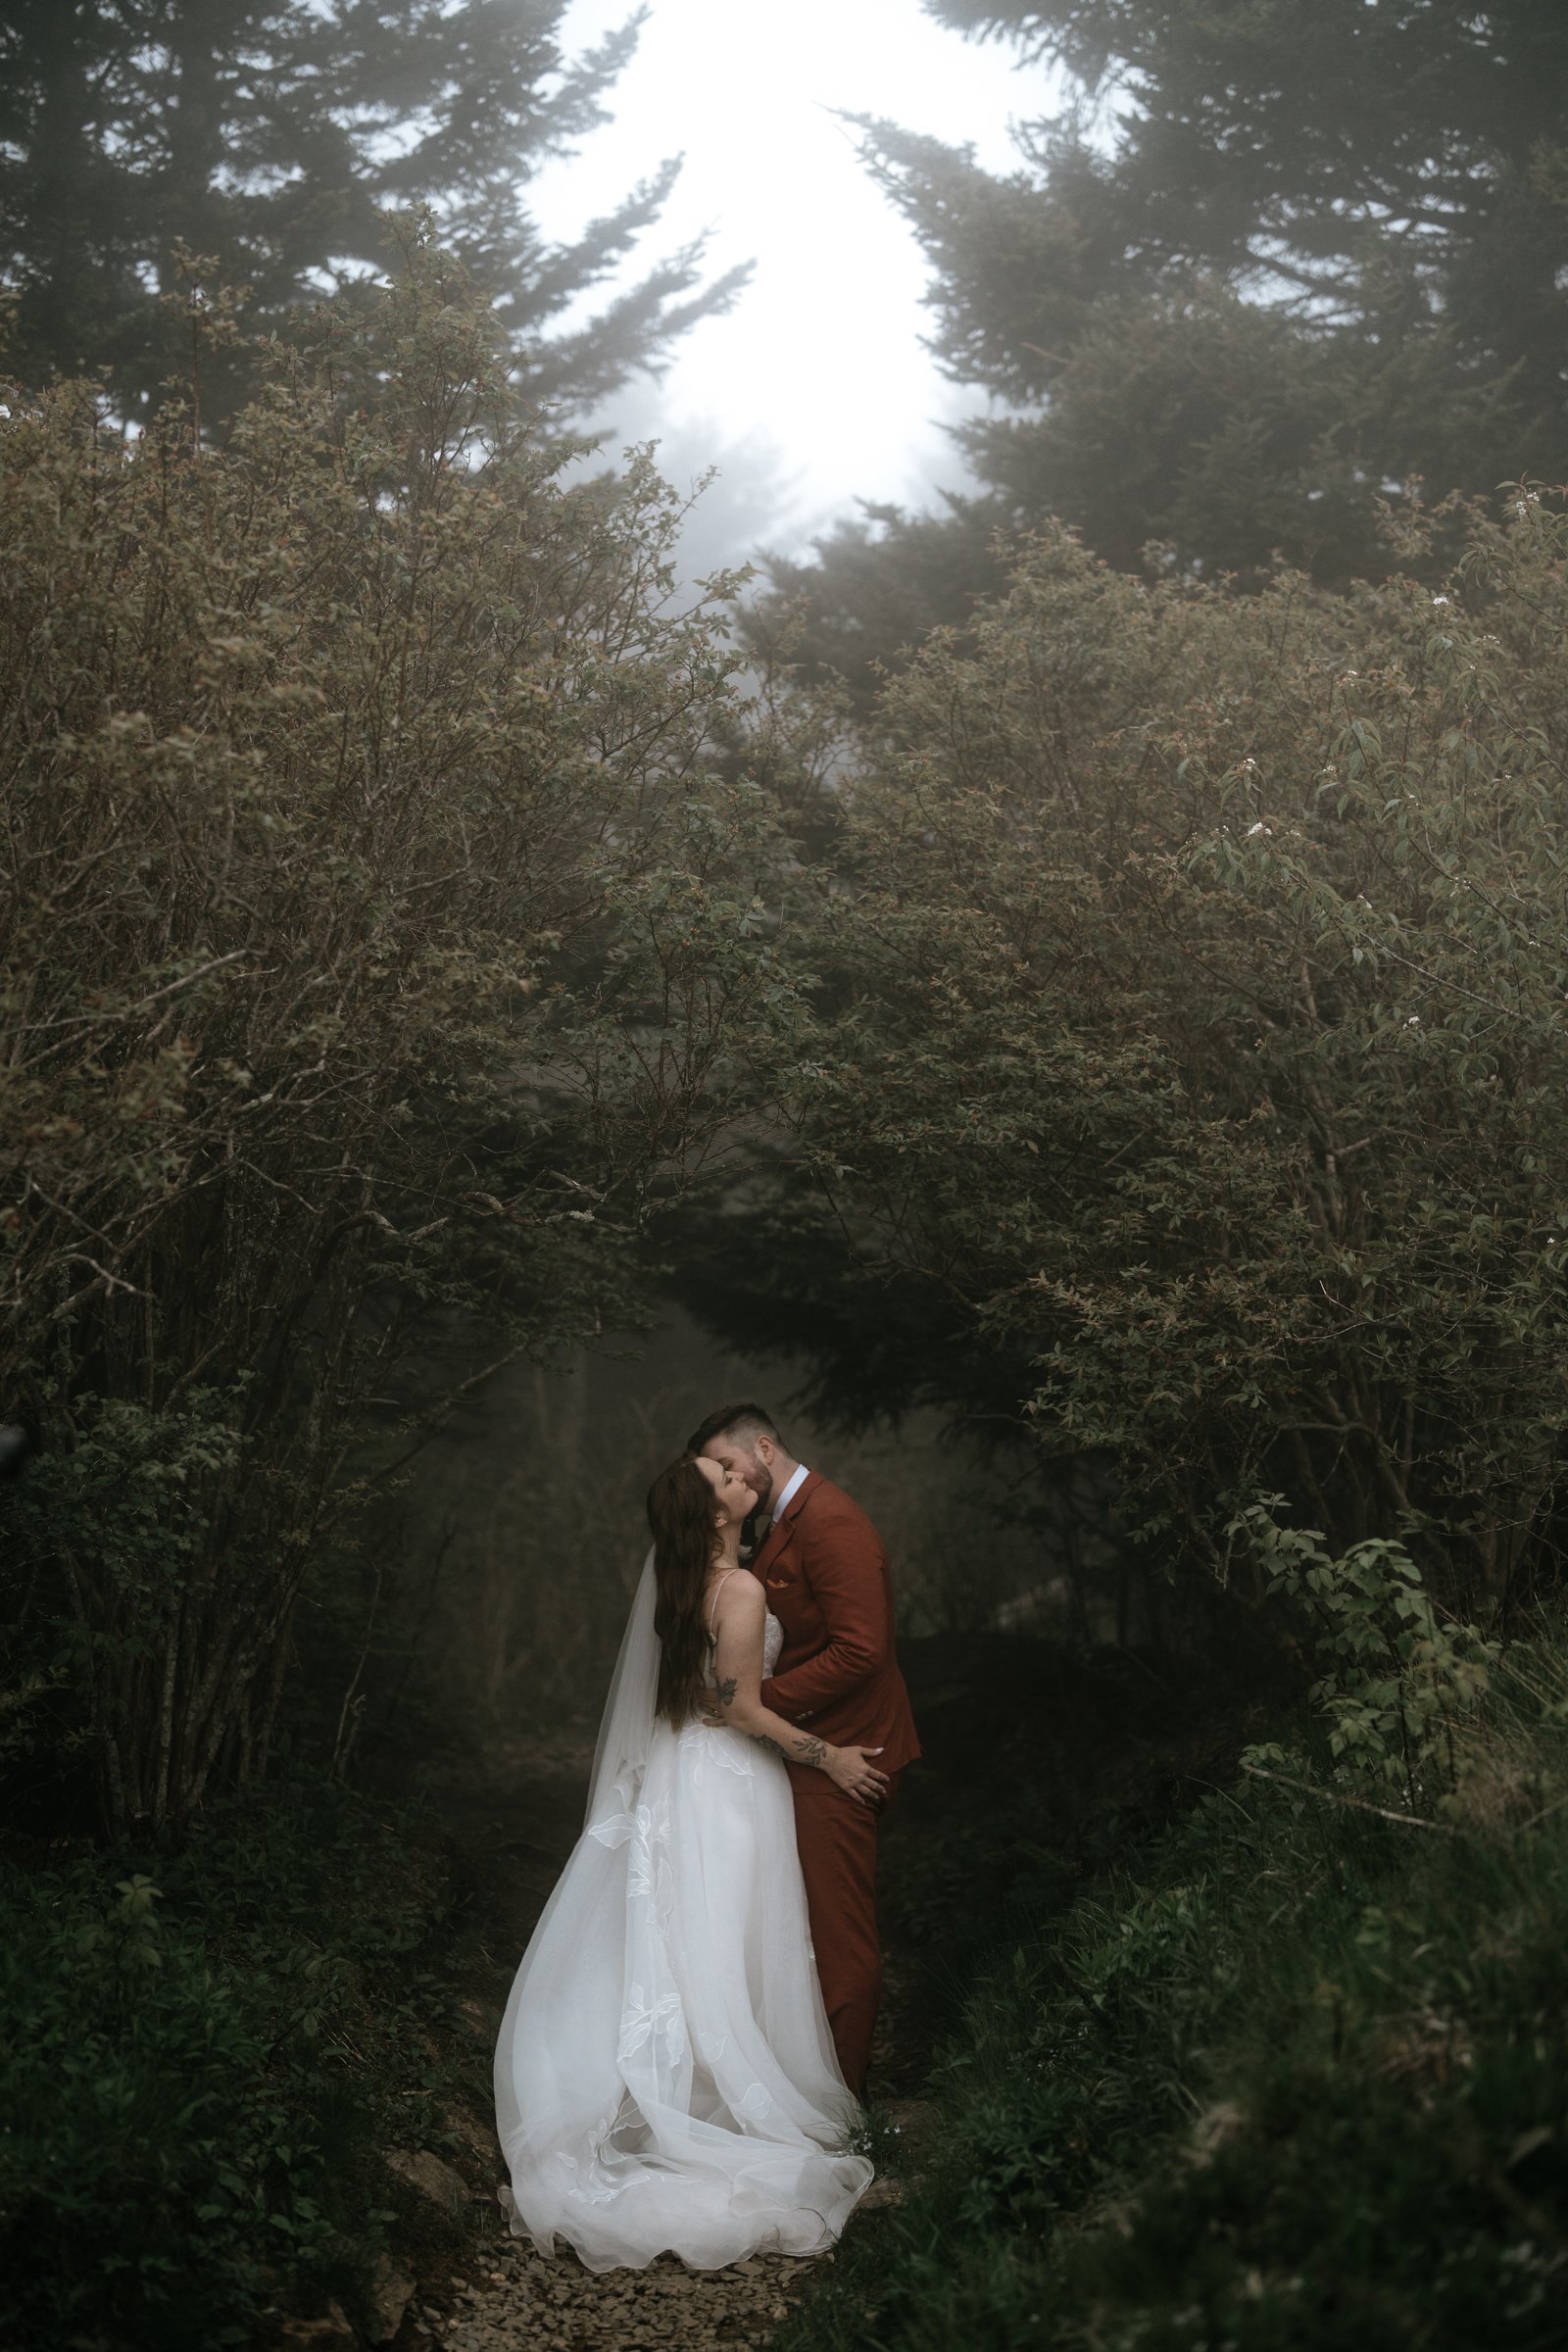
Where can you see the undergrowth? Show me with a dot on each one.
(208, 2047)
(1295, 2076)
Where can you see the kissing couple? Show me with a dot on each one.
(684, 2050)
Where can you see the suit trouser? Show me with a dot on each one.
(836, 1835)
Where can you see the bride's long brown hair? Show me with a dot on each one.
(680, 1513)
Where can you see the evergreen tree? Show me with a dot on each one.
(880, 580)
(1389, 177)
(1269, 263)
(272, 135)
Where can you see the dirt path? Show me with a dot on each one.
(521, 2303)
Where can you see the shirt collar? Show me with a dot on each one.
(802, 1474)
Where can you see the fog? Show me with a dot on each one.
(817, 388)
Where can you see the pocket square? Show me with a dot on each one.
(777, 1584)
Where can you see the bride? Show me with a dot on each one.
(664, 2075)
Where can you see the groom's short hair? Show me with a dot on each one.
(742, 1422)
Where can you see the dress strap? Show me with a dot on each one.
(718, 1590)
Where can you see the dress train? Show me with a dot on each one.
(665, 2075)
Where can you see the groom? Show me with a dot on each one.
(825, 1574)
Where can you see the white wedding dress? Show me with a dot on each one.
(664, 2073)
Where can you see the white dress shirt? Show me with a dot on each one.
(802, 1474)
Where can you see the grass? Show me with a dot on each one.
(1292, 2077)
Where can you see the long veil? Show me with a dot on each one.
(627, 1726)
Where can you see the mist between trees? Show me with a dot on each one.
(492, 1588)
(1141, 1039)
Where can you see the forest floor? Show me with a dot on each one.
(512, 1822)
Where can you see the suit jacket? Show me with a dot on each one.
(825, 1575)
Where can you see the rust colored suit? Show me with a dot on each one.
(825, 1575)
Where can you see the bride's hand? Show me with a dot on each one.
(851, 1770)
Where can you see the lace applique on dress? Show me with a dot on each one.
(723, 1749)
(647, 1829)
(645, 2016)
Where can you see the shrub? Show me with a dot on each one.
(1291, 2078)
(1400, 1681)
(1187, 1049)
(207, 2050)
(377, 946)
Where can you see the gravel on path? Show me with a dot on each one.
(518, 2302)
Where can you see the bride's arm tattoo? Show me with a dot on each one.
(810, 1749)
(736, 1698)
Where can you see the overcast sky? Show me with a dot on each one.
(815, 389)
